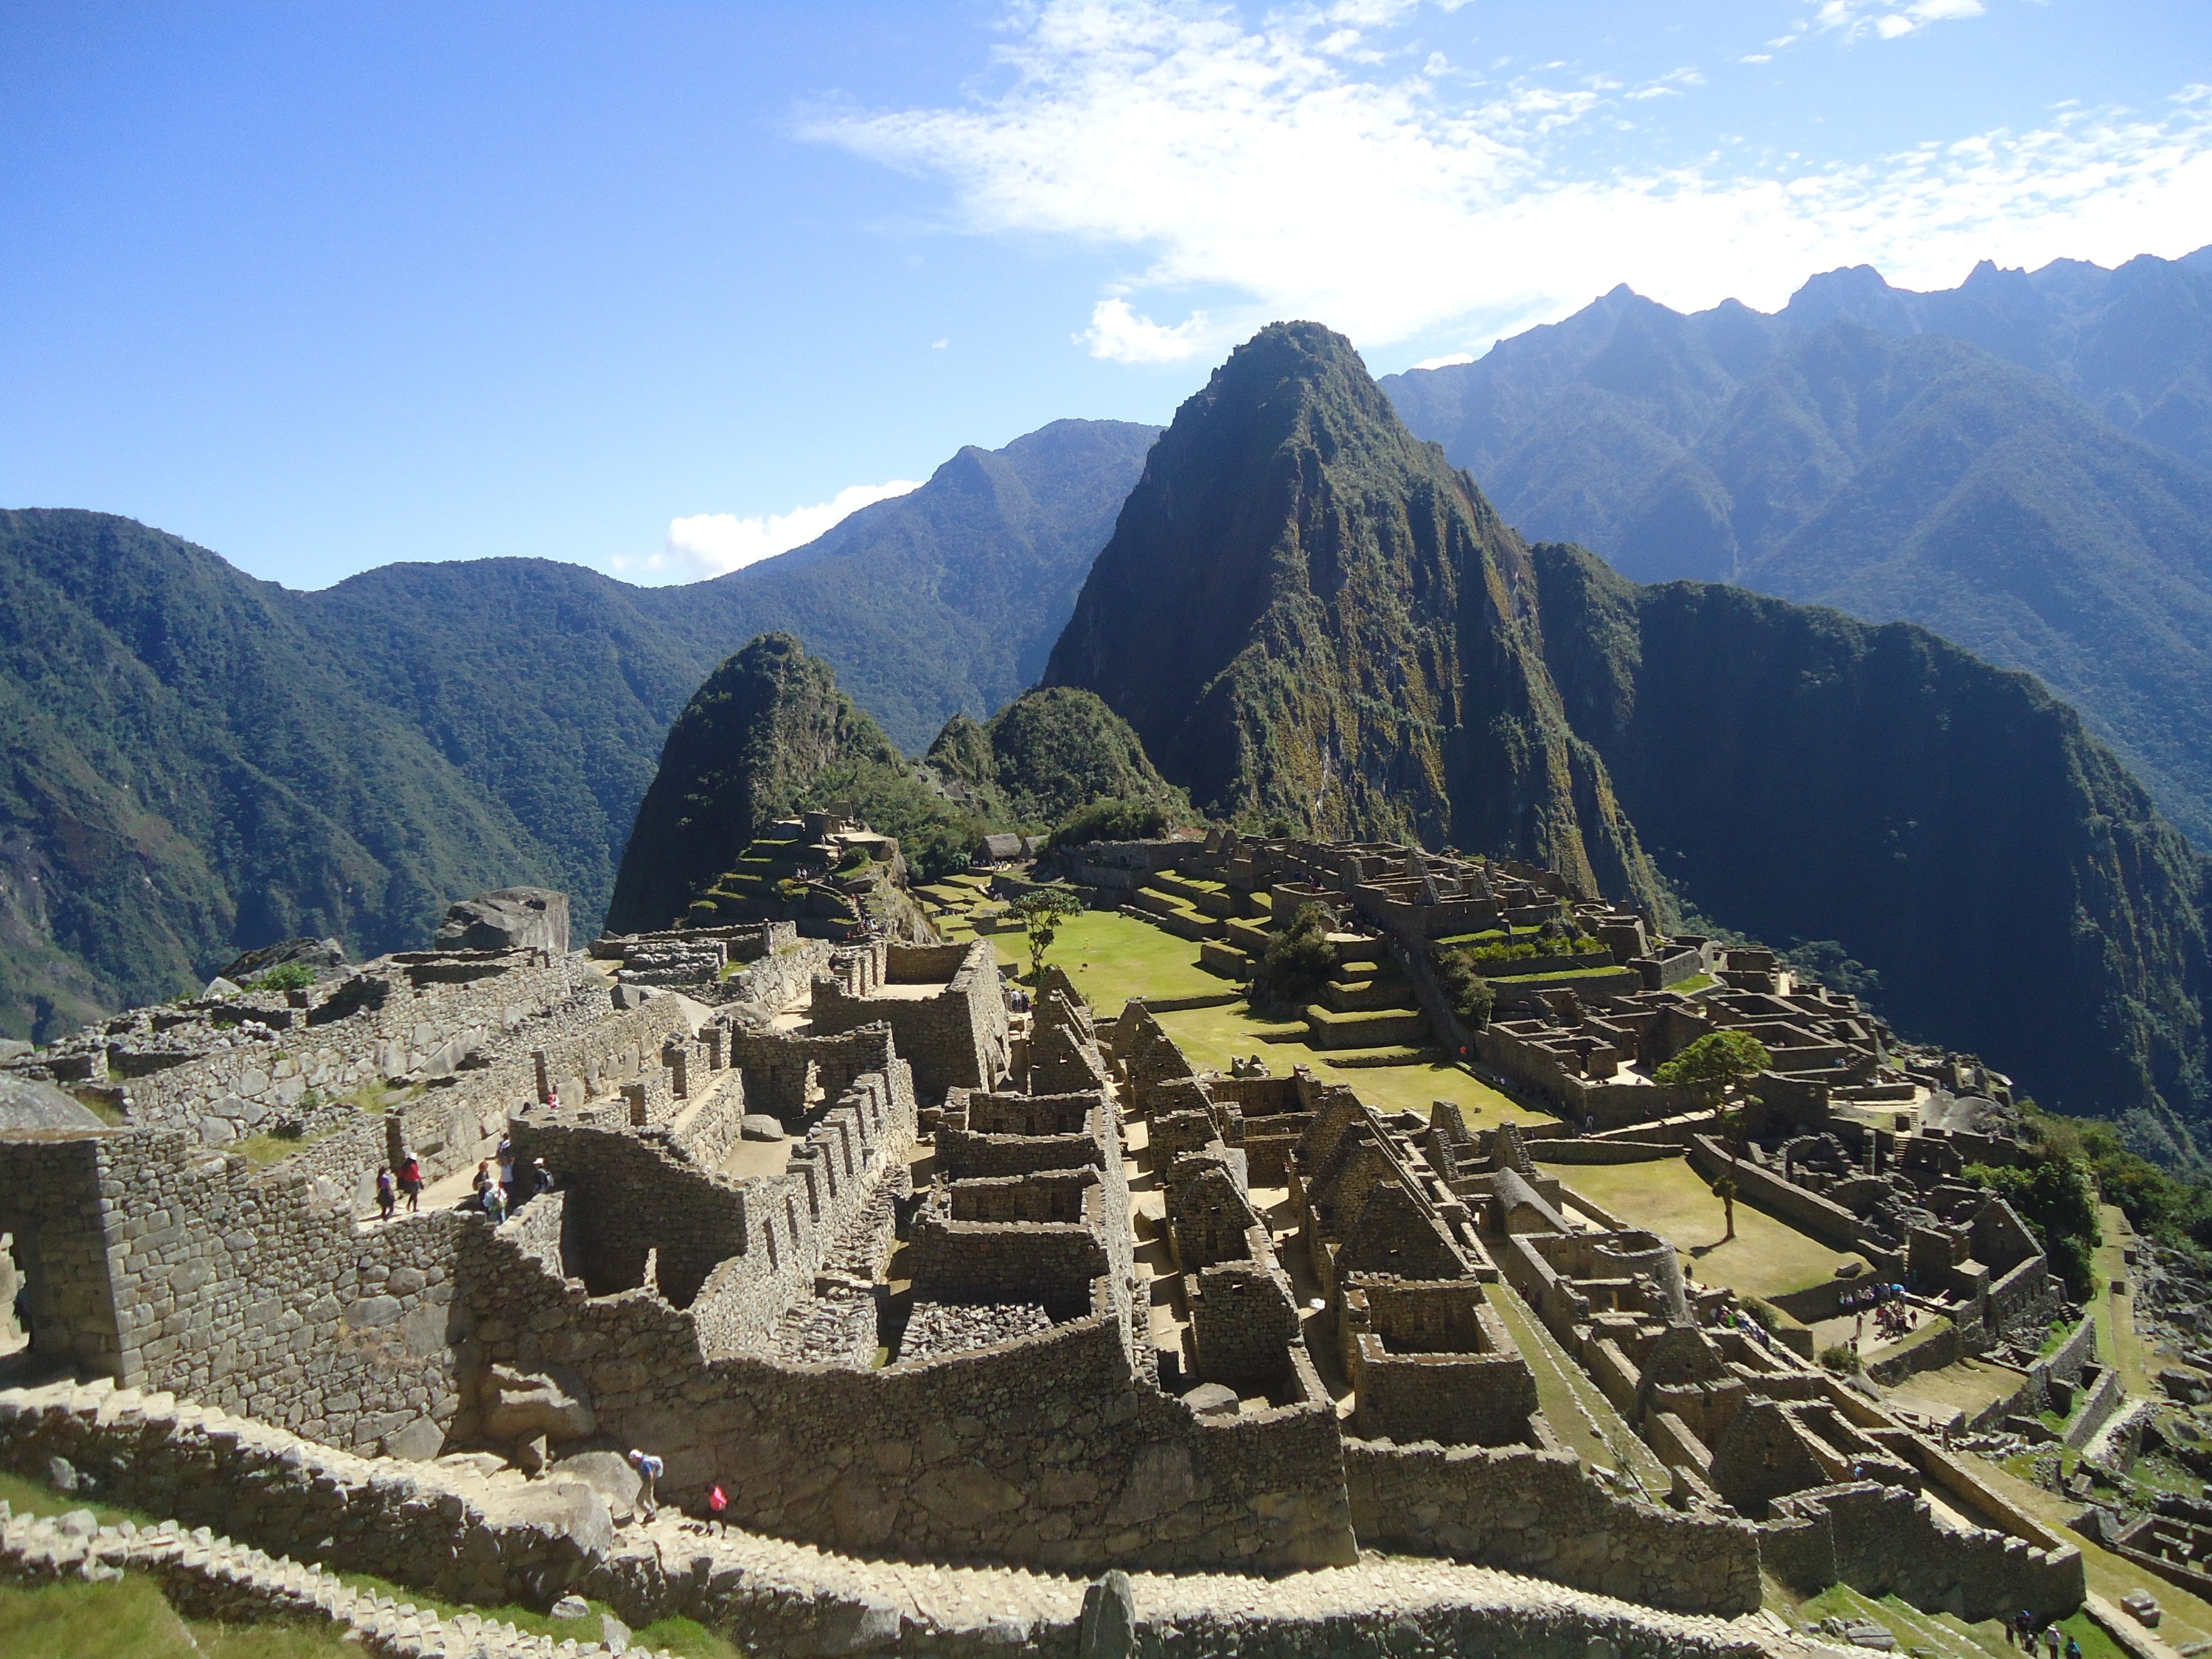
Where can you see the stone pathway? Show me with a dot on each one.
(206, 1573)
(776, 1596)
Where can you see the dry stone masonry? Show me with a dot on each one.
(936, 1307)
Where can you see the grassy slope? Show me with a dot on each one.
(81, 1621)
(1766, 1258)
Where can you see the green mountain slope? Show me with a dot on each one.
(1297, 590)
(1846, 451)
(751, 744)
(1801, 776)
(197, 763)
(2135, 343)
(185, 770)
(1044, 755)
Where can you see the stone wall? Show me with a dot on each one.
(265, 1488)
(1050, 1262)
(783, 976)
(1053, 1450)
(1884, 1541)
(402, 1027)
(780, 1071)
(175, 1267)
(1542, 1512)
(1824, 1219)
(414, 1523)
(954, 1039)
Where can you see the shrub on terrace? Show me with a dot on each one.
(2053, 1196)
(1114, 820)
(1465, 992)
(285, 976)
(1298, 961)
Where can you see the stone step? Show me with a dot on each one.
(1380, 1028)
(1359, 996)
(1165, 914)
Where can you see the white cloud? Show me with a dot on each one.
(1120, 335)
(1448, 361)
(1265, 163)
(1889, 19)
(714, 544)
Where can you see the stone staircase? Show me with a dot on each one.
(1368, 1004)
(771, 1596)
(205, 1575)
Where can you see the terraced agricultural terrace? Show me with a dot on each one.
(968, 1308)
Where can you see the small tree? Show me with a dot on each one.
(1725, 1190)
(1040, 910)
(1466, 992)
(1725, 1058)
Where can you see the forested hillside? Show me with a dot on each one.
(197, 762)
(2017, 464)
(1365, 650)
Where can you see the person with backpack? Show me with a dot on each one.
(388, 1195)
(411, 1183)
(649, 1470)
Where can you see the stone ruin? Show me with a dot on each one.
(890, 1273)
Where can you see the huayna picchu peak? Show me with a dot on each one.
(1310, 618)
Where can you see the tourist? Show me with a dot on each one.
(535, 1180)
(387, 1192)
(506, 1163)
(2023, 1630)
(2051, 1636)
(649, 1469)
(553, 1100)
(2073, 1649)
(411, 1183)
(485, 1181)
(494, 1203)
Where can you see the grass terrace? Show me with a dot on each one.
(1213, 1037)
(1113, 957)
(1766, 1258)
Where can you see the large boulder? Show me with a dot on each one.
(27, 1104)
(324, 957)
(513, 919)
(609, 1473)
(523, 1405)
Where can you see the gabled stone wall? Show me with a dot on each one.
(954, 1039)
(173, 1268)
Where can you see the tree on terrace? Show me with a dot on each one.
(1040, 910)
(1724, 1059)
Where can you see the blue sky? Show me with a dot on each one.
(650, 287)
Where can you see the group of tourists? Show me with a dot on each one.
(2021, 1632)
(498, 1191)
(499, 1194)
(1892, 1314)
(393, 1185)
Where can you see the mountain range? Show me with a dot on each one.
(1310, 620)
(1365, 650)
(192, 762)
(2022, 464)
